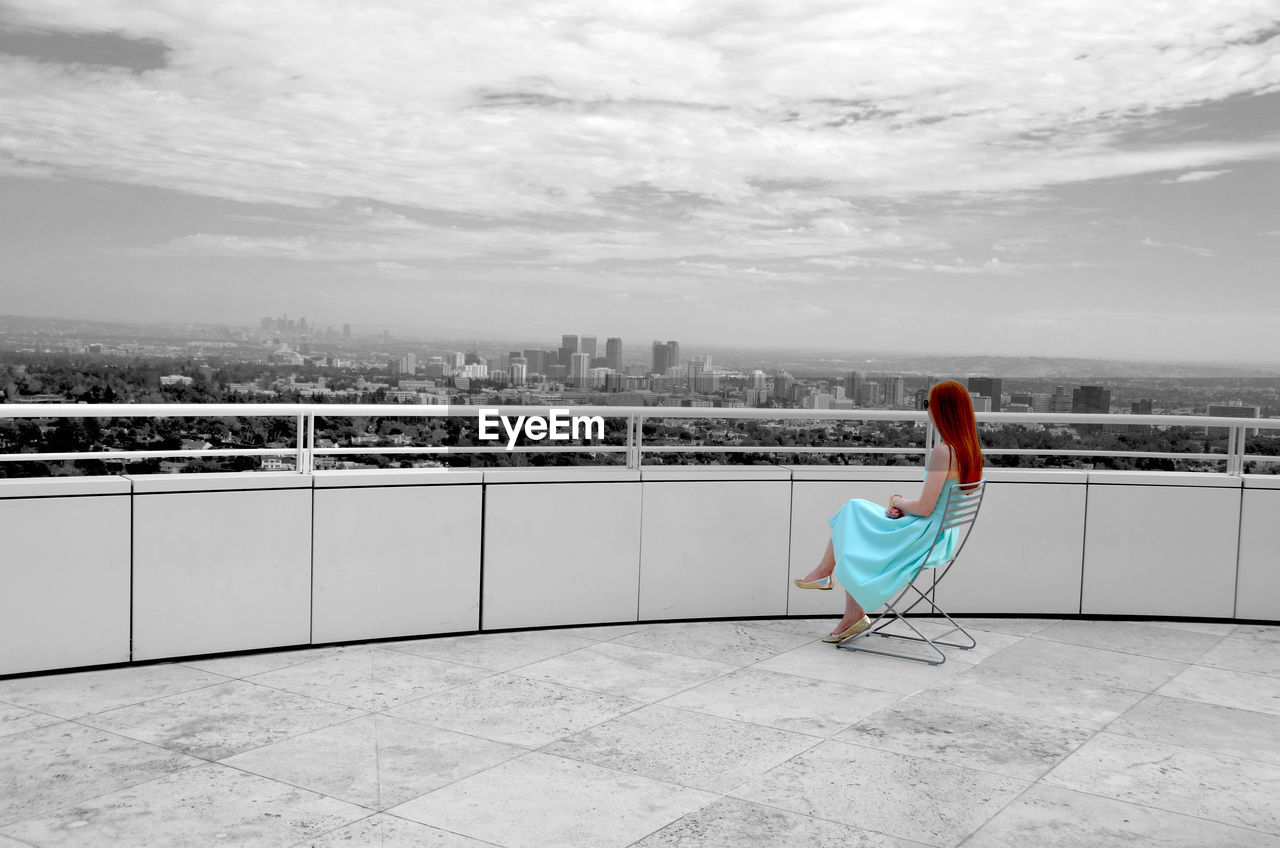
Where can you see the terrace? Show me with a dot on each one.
(614, 655)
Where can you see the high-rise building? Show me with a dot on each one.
(981, 403)
(579, 368)
(569, 345)
(897, 392)
(1091, 399)
(517, 371)
(613, 353)
(1062, 400)
(1235, 409)
(535, 360)
(588, 345)
(659, 358)
(869, 394)
(346, 331)
(666, 355)
(853, 386)
(987, 387)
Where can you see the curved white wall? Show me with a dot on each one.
(197, 564)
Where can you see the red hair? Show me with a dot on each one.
(952, 410)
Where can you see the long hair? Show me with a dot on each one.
(952, 410)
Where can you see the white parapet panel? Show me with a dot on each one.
(1161, 544)
(1258, 590)
(818, 493)
(1026, 547)
(561, 546)
(221, 562)
(397, 553)
(65, 573)
(714, 542)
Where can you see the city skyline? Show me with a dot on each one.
(899, 178)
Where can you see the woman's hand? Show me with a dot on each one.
(894, 512)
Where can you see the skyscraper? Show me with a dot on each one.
(613, 353)
(897, 392)
(588, 346)
(853, 386)
(535, 360)
(1091, 399)
(673, 354)
(987, 387)
(579, 368)
(659, 357)
(569, 345)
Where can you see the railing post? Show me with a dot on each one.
(311, 442)
(1236, 448)
(639, 441)
(299, 464)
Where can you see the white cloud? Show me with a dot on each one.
(1196, 176)
(1203, 252)
(582, 133)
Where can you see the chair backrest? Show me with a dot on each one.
(963, 502)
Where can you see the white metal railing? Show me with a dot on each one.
(634, 450)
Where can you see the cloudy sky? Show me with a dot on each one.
(1076, 177)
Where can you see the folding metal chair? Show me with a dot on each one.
(960, 510)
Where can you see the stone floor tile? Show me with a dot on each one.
(625, 671)
(811, 627)
(376, 761)
(1059, 664)
(210, 805)
(10, 842)
(1069, 703)
(1049, 816)
(719, 641)
(1011, 626)
(975, 738)
(383, 831)
(222, 720)
(50, 767)
(821, 661)
(1208, 727)
(677, 746)
(494, 651)
(912, 798)
(602, 632)
(1214, 628)
(82, 693)
(1242, 652)
(734, 822)
(540, 800)
(370, 678)
(1177, 779)
(1258, 692)
(18, 719)
(784, 701)
(1270, 632)
(1133, 637)
(246, 665)
(987, 642)
(516, 710)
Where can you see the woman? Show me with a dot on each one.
(875, 552)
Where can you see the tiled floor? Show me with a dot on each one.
(1082, 733)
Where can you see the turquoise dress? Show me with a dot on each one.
(877, 556)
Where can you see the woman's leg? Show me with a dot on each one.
(825, 567)
(853, 612)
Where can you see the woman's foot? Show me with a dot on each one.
(817, 574)
(847, 628)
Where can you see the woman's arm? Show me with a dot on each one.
(934, 478)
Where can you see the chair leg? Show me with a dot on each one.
(891, 614)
